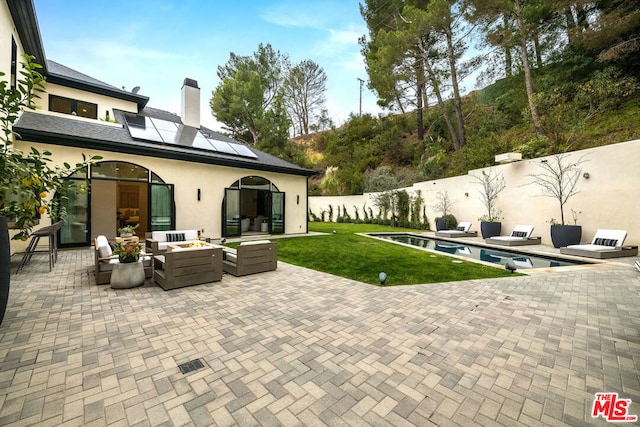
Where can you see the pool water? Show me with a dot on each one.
(520, 259)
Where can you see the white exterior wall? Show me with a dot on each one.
(609, 198)
(188, 177)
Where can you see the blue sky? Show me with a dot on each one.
(155, 44)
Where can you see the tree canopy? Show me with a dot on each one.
(262, 98)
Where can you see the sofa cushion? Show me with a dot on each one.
(107, 264)
(159, 236)
(254, 242)
(231, 257)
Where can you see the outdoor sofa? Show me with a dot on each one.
(159, 240)
(520, 236)
(105, 260)
(462, 230)
(605, 244)
(251, 257)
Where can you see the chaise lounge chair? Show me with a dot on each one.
(605, 244)
(461, 231)
(520, 236)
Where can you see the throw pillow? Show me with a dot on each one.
(519, 234)
(175, 237)
(605, 242)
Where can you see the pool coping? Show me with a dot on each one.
(536, 250)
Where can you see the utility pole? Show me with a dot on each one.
(361, 82)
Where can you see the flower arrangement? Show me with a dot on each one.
(128, 229)
(127, 252)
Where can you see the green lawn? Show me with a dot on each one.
(361, 258)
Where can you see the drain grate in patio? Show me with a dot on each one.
(192, 365)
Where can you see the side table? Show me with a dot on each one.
(133, 239)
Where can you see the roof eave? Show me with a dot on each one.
(140, 100)
(24, 17)
(118, 147)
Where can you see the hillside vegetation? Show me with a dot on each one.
(582, 103)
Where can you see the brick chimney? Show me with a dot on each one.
(191, 103)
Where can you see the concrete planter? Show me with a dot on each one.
(127, 275)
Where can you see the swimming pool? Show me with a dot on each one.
(521, 260)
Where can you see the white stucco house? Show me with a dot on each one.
(159, 169)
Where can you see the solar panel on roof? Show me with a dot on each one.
(243, 150)
(163, 124)
(158, 130)
(222, 146)
(140, 129)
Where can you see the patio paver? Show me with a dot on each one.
(299, 347)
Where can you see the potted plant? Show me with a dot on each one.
(559, 180)
(127, 252)
(443, 205)
(127, 230)
(129, 273)
(491, 185)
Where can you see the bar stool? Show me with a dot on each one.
(51, 232)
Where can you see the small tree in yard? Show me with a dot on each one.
(491, 185)
(559, 179)
(443, 205)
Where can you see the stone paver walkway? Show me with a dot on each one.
(298, 347)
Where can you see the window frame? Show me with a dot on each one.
(74, 106)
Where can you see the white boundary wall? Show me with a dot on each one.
(608, 198)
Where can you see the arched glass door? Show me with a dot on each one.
(117, 194)
(252, 205)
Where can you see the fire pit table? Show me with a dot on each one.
(188, 264)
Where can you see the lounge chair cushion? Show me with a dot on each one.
(520, 232)
(606, 237)
(463, 226)
(604, 240)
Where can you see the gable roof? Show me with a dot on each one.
(57, 130)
